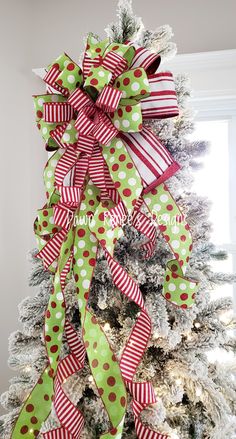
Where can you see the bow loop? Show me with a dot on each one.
(64, 75)
(109, 99)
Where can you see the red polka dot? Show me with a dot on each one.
(45, 223)
(138, 73)
(36, 433)
(54, 230)
(126, 81)
(98, 50)
(101, 230)
(187, 227)
(184, 306)
(106, 366)
(174, 275)
(40, 381)
(95, 345)
(113, 431)
(112, 396)
(94, 320)
(48, 314)
(168, 296)
(56, 65)
(91, 202)
(193, 296)
(54, 348)
(51, 373)
(70, 66)
(118, 84)
(94, 363)
(47, 338)
(183, 238)
(24, 429)
(100, 391)
(33, 420)
(92, 262)
(94, 81)
(169, 207)
(184, 296)
(120, 112)
(45, 213)
(46, 397)
(103, 242)
(167, 238)
(115, 167)
(59, 81)
(81, 233)
(29, 408)
(122, 158)
(174, 267)
(111, 381)
(117, 184)
(76, 277)
(39, 114)
(128, 108)
(86, 296)
(167, 277)
(113, 357)
(115, 47)
(140, 127)
(112, 150)
(55, 328)
(53, 304)
(162, 228)
(143, 92)
(86, 253)
(127, 192)
(123, 401)
(101, 216)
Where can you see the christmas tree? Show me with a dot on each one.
(195, 398)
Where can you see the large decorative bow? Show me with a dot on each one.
(107, 164)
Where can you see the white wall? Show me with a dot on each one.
(32, 34)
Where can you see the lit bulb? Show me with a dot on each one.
(31, 430)
(106, 327)
(27, 368)
(90, 378)
(189, 336)
(178, 381)
(198, 391)
(197, 325)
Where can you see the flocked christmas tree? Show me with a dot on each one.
(195, 398)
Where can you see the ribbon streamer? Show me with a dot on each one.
(106, 165)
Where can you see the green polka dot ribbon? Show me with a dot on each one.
(177, 289)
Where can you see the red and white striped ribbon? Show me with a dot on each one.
(144, 58)
(115, 63)
(152, 159)
(51, 77)
(109, 99)
(79, 99)
(162, 101)
(51, 250)
(57, 112)
(143, 393)
(146, 226)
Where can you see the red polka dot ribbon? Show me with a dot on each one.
(106, 165)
